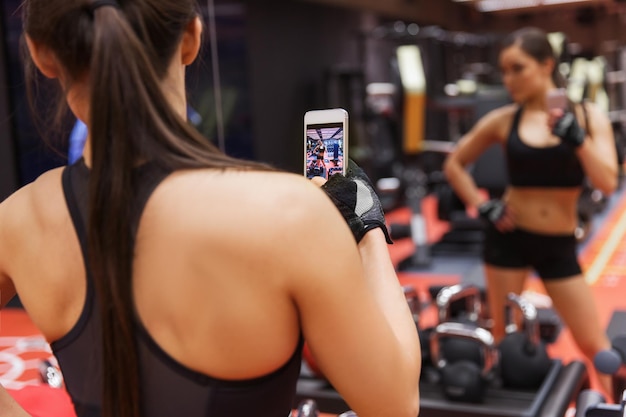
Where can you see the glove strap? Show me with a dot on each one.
(371, 225)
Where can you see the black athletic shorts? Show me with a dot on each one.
(552, 256)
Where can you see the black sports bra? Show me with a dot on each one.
(167, 387)
(552, 166)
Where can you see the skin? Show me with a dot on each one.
(541, 210)
(203, 267)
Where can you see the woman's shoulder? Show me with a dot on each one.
(503, 113)
(45, 188)
(34, 204)
(256, 208)
(246, 183)
(247, 193)
(496, 123)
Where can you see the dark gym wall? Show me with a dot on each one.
(291, 45)
(8, 169)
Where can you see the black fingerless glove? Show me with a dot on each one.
(357, 201)
(492, 210)
(568, 129)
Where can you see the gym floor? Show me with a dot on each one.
(602, 255)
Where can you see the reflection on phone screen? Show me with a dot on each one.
(324, 150)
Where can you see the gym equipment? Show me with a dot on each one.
(568, 384)
(591, 403)
(524, 361)
(552, 399)
(464, 380)
(550, 323)
(414, 174)
(458, 307)
(307, 408)
(413, 300)
(455, 293)
(50, 374)
(457, 348)
(613, 362)
(414, 85)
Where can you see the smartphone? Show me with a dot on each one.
(325, 142)
(557, 99)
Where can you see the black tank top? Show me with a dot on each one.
(167, 387)
(552, 166)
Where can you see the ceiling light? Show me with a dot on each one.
(495, 5)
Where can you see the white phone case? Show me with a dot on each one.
(325, 142)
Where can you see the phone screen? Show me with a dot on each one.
(557, 99)
(324, 149)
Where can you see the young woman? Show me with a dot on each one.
(171, 279)
(548, 155)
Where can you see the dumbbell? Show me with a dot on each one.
(524, 361)
(50, 374)
(464, 380)
(613, 362)
(460, 348)
(307, 408)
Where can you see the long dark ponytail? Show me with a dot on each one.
(125, 50)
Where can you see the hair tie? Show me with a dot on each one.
(96, 4)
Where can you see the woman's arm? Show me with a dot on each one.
(7, 288)
(9, 407)
(598, 154)
(353, 313)
(486, 132)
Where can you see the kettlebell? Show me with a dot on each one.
(524, 361)
(455, 349)
(413, 300)
(464, 380)
(307, 408)
(448, 295)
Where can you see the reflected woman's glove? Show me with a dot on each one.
(568, 129)
(357, 201)
(492, 210)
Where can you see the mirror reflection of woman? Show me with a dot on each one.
(549, 153)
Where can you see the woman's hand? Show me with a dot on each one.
(553, 116)
(498, 213)
(565, 126)
(354, 196)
